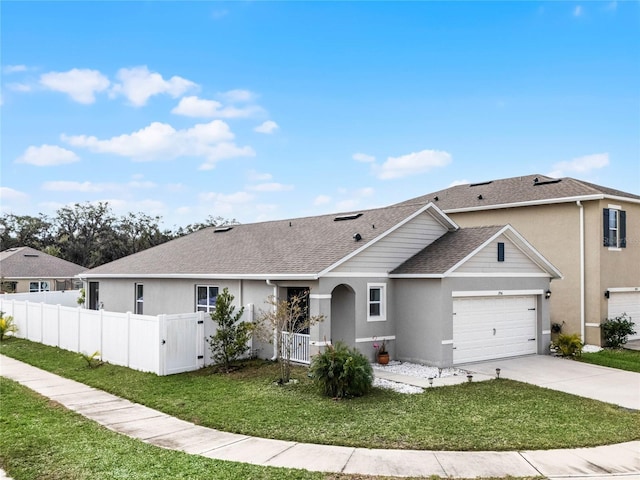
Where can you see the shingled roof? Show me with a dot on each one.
(516, 191)
(294, 248)
(27, 262)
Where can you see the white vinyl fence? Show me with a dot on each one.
(66, 298)
(164, 344)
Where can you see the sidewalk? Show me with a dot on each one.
(154, 427)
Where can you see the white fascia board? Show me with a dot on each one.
(416, 275)
(437, 214)
(499, 275)
(549, 201)
(215, 276)
(495, 293)
(622, 199)
(356, 275)
(623, 289)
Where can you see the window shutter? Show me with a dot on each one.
(623, 229)
(605, 227)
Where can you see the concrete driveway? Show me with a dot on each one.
(591, 381)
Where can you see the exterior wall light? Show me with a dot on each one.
(497, 373)
(606, 294)
(430, 381)
(547, 294)
(469, 378)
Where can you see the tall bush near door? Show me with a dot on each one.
(285, 316)
(231, 339)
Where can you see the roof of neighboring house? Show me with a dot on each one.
(27, 262)
(517, 191)
(295, 247)
(452, 249)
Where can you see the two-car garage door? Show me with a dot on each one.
(485, 328)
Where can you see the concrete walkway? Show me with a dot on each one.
(157, 428)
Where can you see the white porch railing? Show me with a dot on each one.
(298, 343)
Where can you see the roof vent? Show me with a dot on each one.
(547, 182)
(351, 216)
(222, 229)
(480, 197)
(34, 255)
(480, 183)
(357, 237)
(436, 198)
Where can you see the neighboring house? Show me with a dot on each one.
(589, 232)
(407, 274)
(25, 269)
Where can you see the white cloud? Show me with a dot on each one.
(363, 157)
(138, 84)
(225, 204)
(365, 192)
(80, 84)
(322, 200)
(197, 107)
(580, 165)
(237, 96)
(160, 141)
(267, 127)
(193, 106)
(9, 194)
(255, 176)
(19, 87)
(577, 11)
(9, 69)
(412, 164)
(92, 187)
(455, 183)
(47, 156)
(270, 187)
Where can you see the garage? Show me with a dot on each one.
(489, 327)
(622, 301)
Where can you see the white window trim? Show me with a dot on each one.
(617, 209)
(383, 302)
(210, 308)
(40, 286)
(139, 301)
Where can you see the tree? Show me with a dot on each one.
(288, 317)
(25, 231)
(232, 336)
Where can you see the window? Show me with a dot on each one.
(377, 302)
(139, 299)
(206, 298)
(40, 286)
(614, 225)
(501, 251)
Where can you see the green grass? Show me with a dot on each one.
(492, 415)
(622, 359)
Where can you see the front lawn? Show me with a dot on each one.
(622, 359)
(492, 415)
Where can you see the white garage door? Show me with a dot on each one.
(629, 303)
(485, 328)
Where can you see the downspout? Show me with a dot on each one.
(275, 333)
(582, 293)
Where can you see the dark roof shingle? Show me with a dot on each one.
(514, 190)
(27, 262)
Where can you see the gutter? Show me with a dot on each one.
(582, 283)
(275, 330)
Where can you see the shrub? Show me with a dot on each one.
(616, 330)
(568, 345)
(6, 326)
(232, 336)
(92, 360)
(341, 371)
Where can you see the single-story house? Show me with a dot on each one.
(406, 274)
(25, 269)
(589, 232)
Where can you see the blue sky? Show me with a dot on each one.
(267, 110)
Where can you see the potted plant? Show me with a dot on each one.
(382, 353)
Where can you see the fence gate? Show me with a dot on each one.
(182, 343)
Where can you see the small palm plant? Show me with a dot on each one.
(567, 345)
(7, 326)
(93, 360)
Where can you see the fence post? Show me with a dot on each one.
(41, 322)
(101, 333)
(78, 321)
(58, 320)
(162, 358)
(128, 337)
(26, 320)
